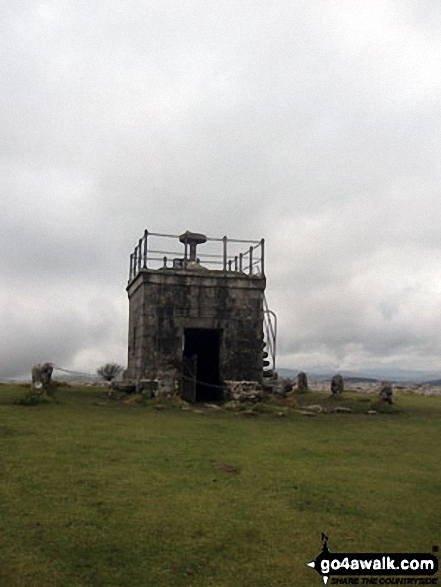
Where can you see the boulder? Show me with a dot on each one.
(302, 382)
(386, 392)
(337, 385)
(41, 377)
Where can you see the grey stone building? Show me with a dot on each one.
(196, 319)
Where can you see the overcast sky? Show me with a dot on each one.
(312, 123)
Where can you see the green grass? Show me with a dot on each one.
(96, 493)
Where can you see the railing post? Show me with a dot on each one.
(225, 252)
(135, 259)
(229, 264)
(185, 253)
(165, 262)
(262, 256)
(235, 263)
(140, 254)
(240, 261)
(131, 266)
(251, 260)
(146, 233)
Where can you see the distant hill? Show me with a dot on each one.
(361, 380)
(292, 374)
(370, 375)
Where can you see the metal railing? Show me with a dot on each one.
(220, 254)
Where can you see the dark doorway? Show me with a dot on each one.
(202, 350)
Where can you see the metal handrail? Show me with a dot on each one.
(244, 262)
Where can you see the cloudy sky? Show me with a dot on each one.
(312, 123)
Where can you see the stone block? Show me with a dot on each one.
(243, 391)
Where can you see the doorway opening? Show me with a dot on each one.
(201, 359)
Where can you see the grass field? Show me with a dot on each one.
(96, 493)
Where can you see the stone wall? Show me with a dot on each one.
(243, 391)
(164, 302)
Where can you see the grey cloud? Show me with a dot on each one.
(313, 124)
(52, 323)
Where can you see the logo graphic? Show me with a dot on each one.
(369, 564)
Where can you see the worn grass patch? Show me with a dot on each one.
(113, 494)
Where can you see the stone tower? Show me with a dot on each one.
(196, 320)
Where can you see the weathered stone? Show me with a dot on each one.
(243, 391)
(287, 386)
(168, 308)
(315, 408)
(278, 389)
(168, 383)
(302, 382)
(275, 387)
(41, 377)
(341, 410)
(148, 387)
(125, 386)
(337, 385)
(386, 392)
